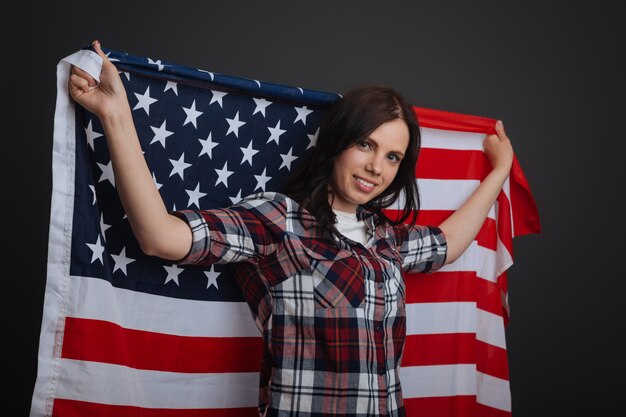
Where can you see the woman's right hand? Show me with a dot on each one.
(105, 99)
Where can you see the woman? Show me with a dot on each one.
(319, 264)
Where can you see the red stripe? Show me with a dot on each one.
(452, 164)
(454, 286)
(446, 120)
(457, 406)
(492, 360)
(439, 349)
(486, 236)
(73, 408)
(102, 341)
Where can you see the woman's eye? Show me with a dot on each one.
(362, 144)
(393, 157)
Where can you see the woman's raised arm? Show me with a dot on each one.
(158, 232)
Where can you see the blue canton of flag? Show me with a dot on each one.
(209, 140)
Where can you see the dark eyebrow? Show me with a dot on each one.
(369, 138)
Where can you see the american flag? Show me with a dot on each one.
(126, 334)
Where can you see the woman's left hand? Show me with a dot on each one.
(499, 149)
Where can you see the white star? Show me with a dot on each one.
(303, 112)
(313, 139)
(275, 133)
(195, 196)
(107, 173)
(172, 273)
(93, 190)
(160, 134)
(223, 174)
(207, 146)
(248, 153)
(97, 249)
(158, 186)
(287, 160)
(91, 135)
(261, 105)
(192, 114)
(179, 166)
(171, 85)
(236, 199)
(217, 97)
(144, 101)
(126, 74)
(234, 124)
(121, 261)
(103, 226)
(212, 275)
(157, 63)
(261, 180)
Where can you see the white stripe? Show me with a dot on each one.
(455, 317)
(97, 299)
(438, 194)
(450, 139)
(438, 380)
(120, 385)
(438, 318)
(494, 392)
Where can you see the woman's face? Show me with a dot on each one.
(364, 170)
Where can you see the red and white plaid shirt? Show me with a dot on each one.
(331, 311)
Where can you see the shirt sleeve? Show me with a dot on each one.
(234, 234)
(422, 248)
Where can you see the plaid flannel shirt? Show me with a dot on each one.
(331, 311)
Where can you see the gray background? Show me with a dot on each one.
(549, 70)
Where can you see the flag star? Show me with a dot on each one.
(158, 186)
(93, 191)
(171, 85)
(103, 226)
(172, 273)
(303, 112)
(275, 133)
(212, 276)
(160, 134)
(97, 250)
(179, 166)
(248, 153)
(258, 83)
(192, 114)
(217, 97)
(236, 198)
(144, 101)
(207, 146)
(195, 196)
(234, 124)
(127, 74)
(107, 173)
(91, 135)
(121, 261)
(261, 105)
(157, 63)
(287, 160)
(313, 139)
(223, 174)
(261, 180)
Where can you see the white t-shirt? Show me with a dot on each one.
(352, 228)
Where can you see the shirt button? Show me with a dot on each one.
(381, 370)
(380, 285)
(378, 328)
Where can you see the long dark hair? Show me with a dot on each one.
(357, 114)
